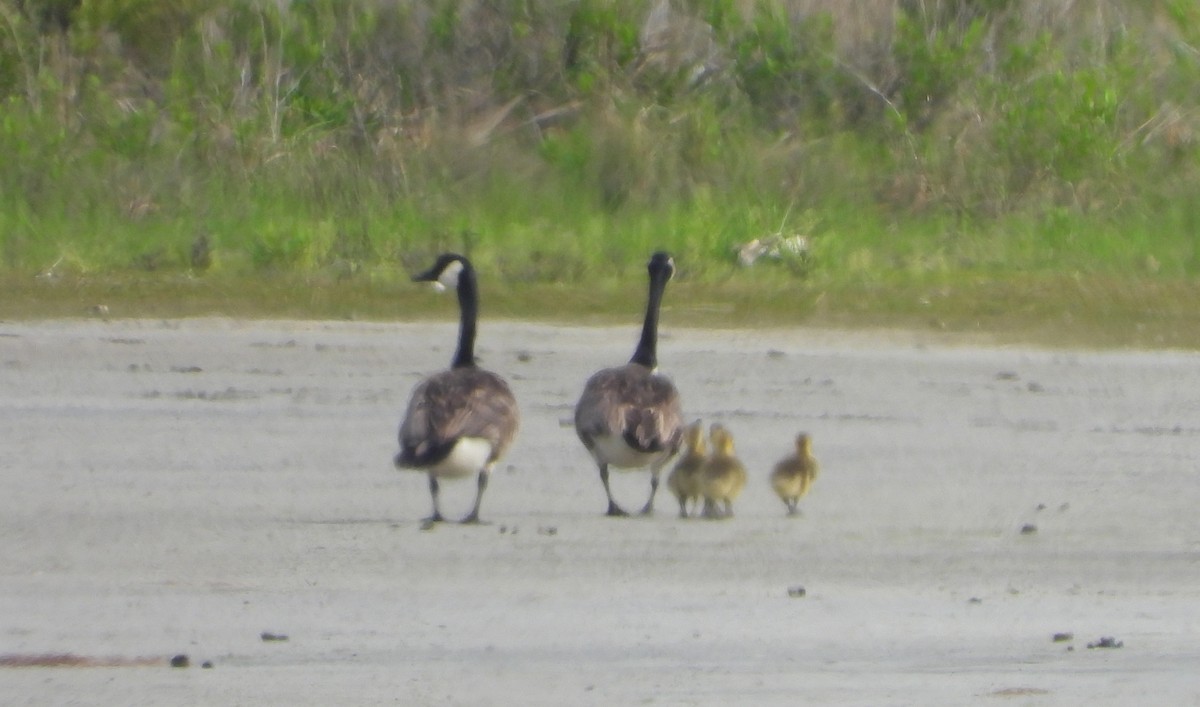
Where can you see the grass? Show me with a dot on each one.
(1005, 166)
(1050, 310)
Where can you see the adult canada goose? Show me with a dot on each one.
(629, 416)
(794, 474)
(460, 421)
(684, 480)
(723, 477)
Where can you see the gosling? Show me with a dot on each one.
(684, 480)
(794, 475)
(723, 477)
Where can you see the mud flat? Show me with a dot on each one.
(222, 490)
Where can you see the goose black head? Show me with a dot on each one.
(445, 272)
(661, 265)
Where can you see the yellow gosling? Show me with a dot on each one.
(793, 475)
(684, 480)
(723, 477)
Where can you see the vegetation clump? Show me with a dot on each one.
(910, 139)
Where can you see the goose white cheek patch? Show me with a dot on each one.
(449, 277)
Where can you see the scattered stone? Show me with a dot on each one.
(524, 356)
(267, 636)
(797, 592)
(1063, 637)
(1028, 529)
(1040, 507)
(207, 665)
(180, 661)
(974, 600)
(1107, 642)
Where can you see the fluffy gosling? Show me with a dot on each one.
(684, 480)
(723, 477)
(794, 474)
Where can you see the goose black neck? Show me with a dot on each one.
(646, 353)
(468, 305)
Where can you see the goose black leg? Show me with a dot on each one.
(614, 510)
(481, 486)
(648, 509)
(433, 493)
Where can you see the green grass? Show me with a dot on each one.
(1049, 310)
(1010, 166)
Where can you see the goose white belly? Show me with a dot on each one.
(469, 455)
(614, 451)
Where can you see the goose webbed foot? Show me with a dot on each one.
(615, 511)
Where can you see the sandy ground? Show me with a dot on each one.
(182, 487)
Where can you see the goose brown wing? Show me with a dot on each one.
(634, 403)
(462, 402)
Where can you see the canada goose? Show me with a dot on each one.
(629, 417)
(794, 474)
(723, 477)
(684, 480)
(460, 421)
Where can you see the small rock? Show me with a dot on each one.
(207, 665)
(797, 592)
(1028, 529)
(180, 661)
(547, 530)
(1006, 376)
(524, 357)
(1107, 642)
(428, 524)
(267, 636)
(1063, 637)
(974, 600)
(1035, 387)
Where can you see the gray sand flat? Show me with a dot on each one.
(182, 487)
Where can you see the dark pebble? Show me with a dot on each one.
(207, 665)
(797, 592)
(180, 661)
(1028, 529)
(1107, 642)
(268, 636)
(1065, 636)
